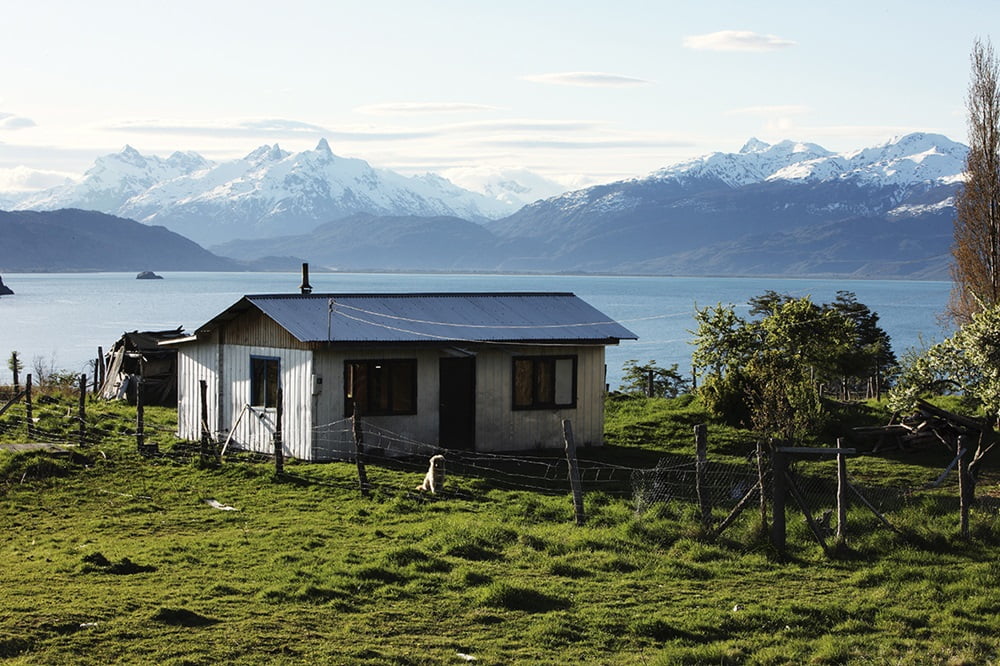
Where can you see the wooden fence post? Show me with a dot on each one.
(279, 451)
(99, 370)
(82, 414)
(841, 495)
(701, 462)
(140, 414)
(965, 493)
(779, 471)
(760, 482)
(28, 411)
(359, 452)
(203, 404)
(574, 471)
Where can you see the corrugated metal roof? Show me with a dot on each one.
(434, 317)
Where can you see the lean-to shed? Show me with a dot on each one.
(481, 371)
(138, 354)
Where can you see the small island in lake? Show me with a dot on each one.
(4, 289)
(148, 275)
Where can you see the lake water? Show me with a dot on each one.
(61, 319)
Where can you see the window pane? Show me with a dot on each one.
(522, 382)
(404, 385)
(379, 389)
(545, 381)
(273, 380)
(564, 382)
(357, 388)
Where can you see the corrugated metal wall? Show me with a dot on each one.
(499, 427)
(196, 361)
(255, 431)
(333, 442)
(226, 367)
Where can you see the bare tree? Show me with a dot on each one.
(976, 250)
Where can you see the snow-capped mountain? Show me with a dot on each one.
(515, 186)
(755, 162)
(903, 160)
(113, 180)
(269, 192)
(885, 210)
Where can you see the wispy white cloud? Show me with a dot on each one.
(234, 127)
(24, 179)
(392, 108)
(8, 121)
(523, 125)
(736, 40)
(586, 144)
(772, 110)
(587, 79)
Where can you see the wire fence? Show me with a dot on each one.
(719, 488)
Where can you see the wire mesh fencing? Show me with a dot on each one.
(719, 490)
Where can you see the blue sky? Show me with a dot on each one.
(579, 92)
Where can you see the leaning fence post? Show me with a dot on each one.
(574, 471)
(359, 451)
(28, 412)
(279, 451)
(701, 459)
(965, 494)
(841, 494)
(779, 469)
(83, 411)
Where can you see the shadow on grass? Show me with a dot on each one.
(182, 617)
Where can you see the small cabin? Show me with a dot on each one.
(474, 371)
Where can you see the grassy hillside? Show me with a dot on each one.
(114, 557)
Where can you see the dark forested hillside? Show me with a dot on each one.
(77, 240)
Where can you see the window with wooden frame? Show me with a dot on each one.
(265, 377)
(544, 382)
(380, 388)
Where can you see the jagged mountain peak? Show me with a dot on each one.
(754, 145)
(266, 154)
(268, 192)
(915, 157)
(324, 147)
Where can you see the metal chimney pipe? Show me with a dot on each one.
(305, 287)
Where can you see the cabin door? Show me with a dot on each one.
(457, 409)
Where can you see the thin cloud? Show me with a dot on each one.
(8, 121)
(24, 179)
(392, 108)
(587, 79)
(524, 125)
(587, 144)
(246, 127)
(736, 40)
(778, 109)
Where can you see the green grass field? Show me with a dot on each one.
(112, 557)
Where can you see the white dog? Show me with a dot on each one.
(434, 479)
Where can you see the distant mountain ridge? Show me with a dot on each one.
(713, 215)
(270, 192)
(783, 209)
